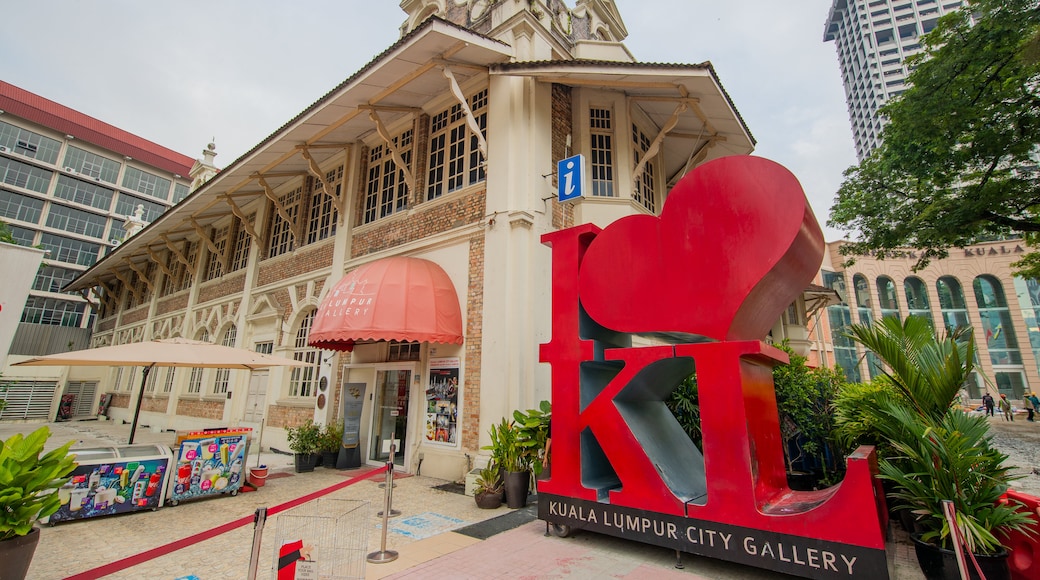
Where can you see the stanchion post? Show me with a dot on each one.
(258, 533)
(383, 555)
(389, 484)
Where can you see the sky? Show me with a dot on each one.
(184, 73)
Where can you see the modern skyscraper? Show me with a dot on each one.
(68, 183)
(873, 39)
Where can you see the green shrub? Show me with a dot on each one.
(29, 481)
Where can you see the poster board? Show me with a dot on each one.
(442, 401)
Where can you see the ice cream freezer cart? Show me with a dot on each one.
(114, 480)
(208, 462)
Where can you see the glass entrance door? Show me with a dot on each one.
(390, 414)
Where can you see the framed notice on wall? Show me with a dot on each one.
(442, 401)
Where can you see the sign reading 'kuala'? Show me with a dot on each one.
(734, 246)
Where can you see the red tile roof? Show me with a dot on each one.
(32, 107)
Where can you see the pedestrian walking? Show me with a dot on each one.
(1033, 400)
(1028, 406)
(1005, 407)
(987, 401)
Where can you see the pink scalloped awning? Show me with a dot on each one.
(398, 298)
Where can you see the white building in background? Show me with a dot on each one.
(873, 39)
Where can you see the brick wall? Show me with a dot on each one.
(154, 404)
(174, 304)
(280, 416)
(562, 120)
(121, 401)
(474, 334)
(221, 287)
(282, 297)
(306, 259)
(421, 154)
(107, 324)
(201, 409)
(136, 315)
(442, 217)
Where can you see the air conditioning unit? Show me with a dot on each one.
(97, 179)
(3, 149)
(70, 169)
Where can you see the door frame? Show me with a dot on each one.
(414, 394)
(256, 375)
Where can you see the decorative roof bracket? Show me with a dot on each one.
(176, 251)
(140, 274)
(202, 236)
(242, 218)
(312, 165)
(655, 145)
(395, 153)
(126, 283)
(471, 121)
(161, 263)
(109, 295)
(278, 207)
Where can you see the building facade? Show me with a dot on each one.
(71, 184)
(443, 148)
(873, 39)
(974, 286)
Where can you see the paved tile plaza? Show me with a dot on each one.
(430, 535)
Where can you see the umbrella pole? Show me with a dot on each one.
(140, 396)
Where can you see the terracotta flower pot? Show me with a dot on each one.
(16, 554)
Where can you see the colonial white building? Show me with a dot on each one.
(444, 147)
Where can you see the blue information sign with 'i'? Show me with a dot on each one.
(571, 178)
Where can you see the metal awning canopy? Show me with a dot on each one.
(396, 84)
(817, 297)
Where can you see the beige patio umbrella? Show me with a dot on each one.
(171, 352)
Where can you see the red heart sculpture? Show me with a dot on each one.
(736, 243)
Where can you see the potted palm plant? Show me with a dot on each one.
(513, 460)
(489, 490)
(518, 448)
(935, 452)
(533, 434)
(29, 482)
(304, 442)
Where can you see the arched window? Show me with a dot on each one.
(223, 376)
(840, 317)
(917, 299)
(951, 302)
(866, 318)
(996, 322)
(954, 312)
(862, 292)
(887, 298)
(303, 380)
(1028, 292)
